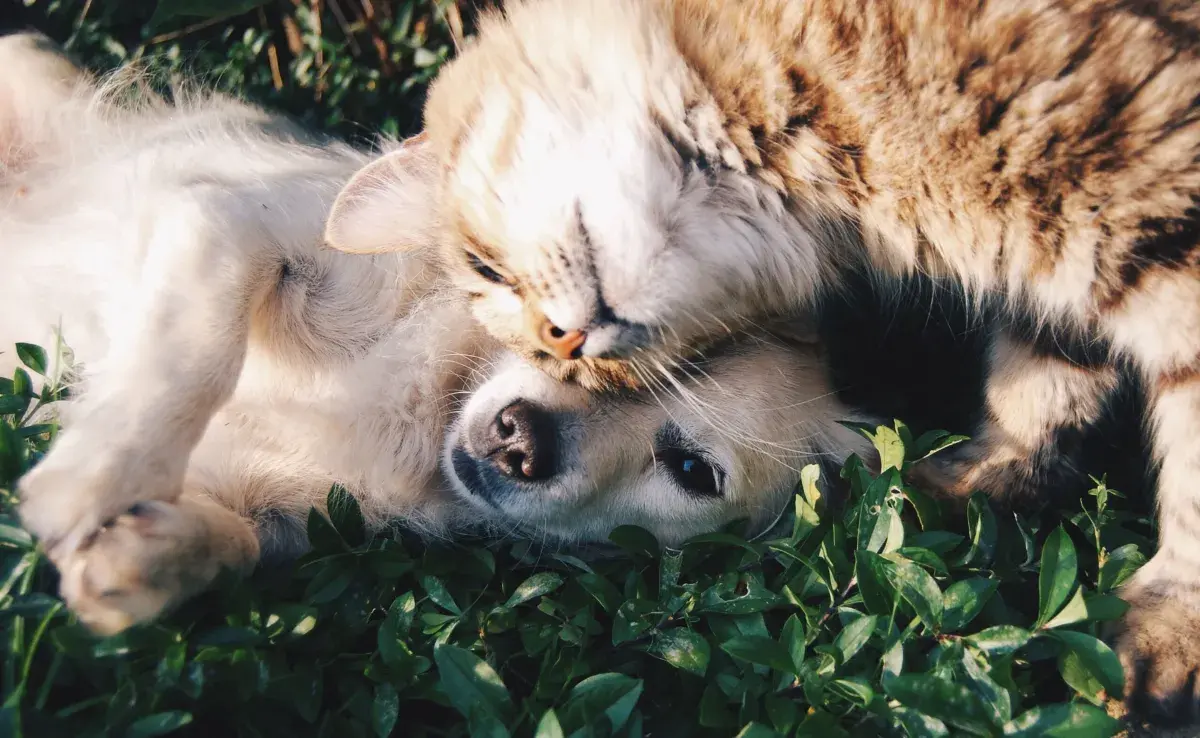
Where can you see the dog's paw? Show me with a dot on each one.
(82, 486)
(1158, 643)
(139, 565)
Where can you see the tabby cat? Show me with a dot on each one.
(626, 181)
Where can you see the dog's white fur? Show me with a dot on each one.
(230, 368)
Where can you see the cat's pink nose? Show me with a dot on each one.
(559, 343)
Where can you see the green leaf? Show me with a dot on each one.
(636, 540)
(390, 639)
(682, 648)
(13, 404)
(876, 513)
(996, 698)
(981, 527)
(610, 695)
(472, 685)
(1000, 640)
(964, 600)
(792, 638)
(918, 589)
(535, 586)
(439, 595)
(759, 650)
(1073, 720)
(871, 571)
(1101, 608)
(602, 590)
(854, 636)
(15, 536)
(322, 536)
(386, 710)
(1075, 611)
(330, 582)
(33, 357)
(853, 690)
(756, 730)
(346, 516)
(1119, 566)
(1076, 674)
(724, 539)
(891, 449)
(548, 726)
(161, 723)
(919, 725)
(632, 621)
(931, 442)
(953, 704)
(1057, 576)
(939, 541)
(1097, 657)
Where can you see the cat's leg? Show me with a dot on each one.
(1159, 640)
(1041, 395)
(177, 348)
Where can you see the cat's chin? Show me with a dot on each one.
(594, 375)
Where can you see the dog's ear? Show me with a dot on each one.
(388, 205)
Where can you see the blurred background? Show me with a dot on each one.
(349, 67)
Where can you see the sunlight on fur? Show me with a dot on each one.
(231, 368)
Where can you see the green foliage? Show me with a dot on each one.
(887, 615)
(351, 67)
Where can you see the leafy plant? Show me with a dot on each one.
(890, 614)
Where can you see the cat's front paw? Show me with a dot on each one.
(998, 471)
(149, 559)
(1158, 643)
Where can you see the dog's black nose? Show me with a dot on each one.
(521, 442)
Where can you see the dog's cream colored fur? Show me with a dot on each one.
(230, 368)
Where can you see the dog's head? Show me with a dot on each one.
(549, 460)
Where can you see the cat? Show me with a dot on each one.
(229, 369)
(622, 182)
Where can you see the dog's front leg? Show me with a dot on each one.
(177, 348)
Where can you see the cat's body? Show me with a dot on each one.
(625, 180)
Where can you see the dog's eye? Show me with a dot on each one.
(691, 471)
(484, 270)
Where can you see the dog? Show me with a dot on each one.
(227, 368)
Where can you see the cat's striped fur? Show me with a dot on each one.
(625, 180)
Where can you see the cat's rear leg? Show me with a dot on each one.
(1159, 640)
(1040, 396)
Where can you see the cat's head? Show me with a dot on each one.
(586, 196)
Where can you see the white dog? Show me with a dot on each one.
(230, 368)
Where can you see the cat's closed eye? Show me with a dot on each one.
(485, 271)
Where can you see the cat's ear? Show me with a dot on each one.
(388, 205)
